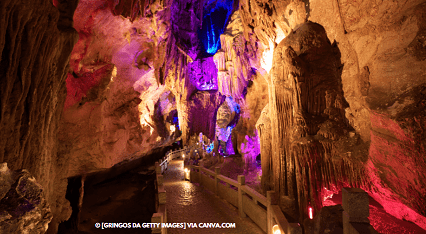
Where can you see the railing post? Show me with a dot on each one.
(216, 180)
(161, 165)
(270, 200)
(355, 202)
(191, 173)
(157, 168)
(157, 218)
(241, 183)
(200, 177)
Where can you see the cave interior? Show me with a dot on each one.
(91, 90)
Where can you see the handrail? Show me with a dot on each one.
(279, 217)
(208, 171)
(273, 214)
(228, 180)
(170, 153)
(255, 195)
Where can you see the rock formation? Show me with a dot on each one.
(263, 126)
(307, 117)
(23, 206)
(36, 40)
(376, 42)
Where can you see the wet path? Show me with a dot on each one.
(190, 203)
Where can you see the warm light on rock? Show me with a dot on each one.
(276, 229)
(267, 57)
(172, 128)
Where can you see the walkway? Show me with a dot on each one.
(190, 203)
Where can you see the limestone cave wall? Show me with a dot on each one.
(380, 66)
(36, 40)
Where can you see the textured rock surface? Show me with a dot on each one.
(382, 80)
(240, 77)
(35, 44)
(307, 117)
(23, 207)
(380, 72)
(263, 126)
(112, 87)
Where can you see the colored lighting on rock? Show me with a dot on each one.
(276, 229)
(210, 148)
(267, 57)
(311, 213)
(214, 23)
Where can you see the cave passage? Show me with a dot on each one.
(308, 100)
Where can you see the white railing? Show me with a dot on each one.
(176, 154)
(160, 167)
(161, 213)
(264, 211)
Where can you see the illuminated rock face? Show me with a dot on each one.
(112, 88)
(239, 77)
(379, 72)
(263, 127)
(201, 110)
(307, 117)
(203, 74)
(228, 115)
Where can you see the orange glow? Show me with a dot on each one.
(172, 128)
(276, 229)
(267, 57)
(311, 213)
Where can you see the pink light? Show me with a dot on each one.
(311, 213)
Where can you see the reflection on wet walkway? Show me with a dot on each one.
(190, 203)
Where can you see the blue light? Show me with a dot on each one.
(210, 148)
(176, 122)
(215, 18)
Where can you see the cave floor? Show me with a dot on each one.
(188, 202)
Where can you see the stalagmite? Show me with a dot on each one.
(306, 121)
(263, 126)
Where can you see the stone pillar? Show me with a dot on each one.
(216, 180)
(157, 167)
(270, 201)
(355, 202)
(241, 183)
